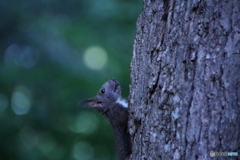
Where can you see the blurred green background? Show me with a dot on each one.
(53, 54)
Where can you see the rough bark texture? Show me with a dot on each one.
(185, 80)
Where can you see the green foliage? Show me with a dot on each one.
(45, 73)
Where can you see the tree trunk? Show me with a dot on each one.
(185, 80)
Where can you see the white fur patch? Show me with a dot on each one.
(122, 102)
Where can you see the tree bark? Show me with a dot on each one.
(185, 80)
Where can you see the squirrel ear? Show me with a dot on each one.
(94, 102)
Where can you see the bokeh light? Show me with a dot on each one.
(47, 143)
(28, 137)
(83, 151)
(21, 100)
(21, 56)
(85, 123)
(95, 57)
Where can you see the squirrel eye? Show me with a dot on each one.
(103, 91)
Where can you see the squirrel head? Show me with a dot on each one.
(107, 94)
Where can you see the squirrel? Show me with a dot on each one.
(110, 103)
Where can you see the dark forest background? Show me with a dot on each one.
(54, 54)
